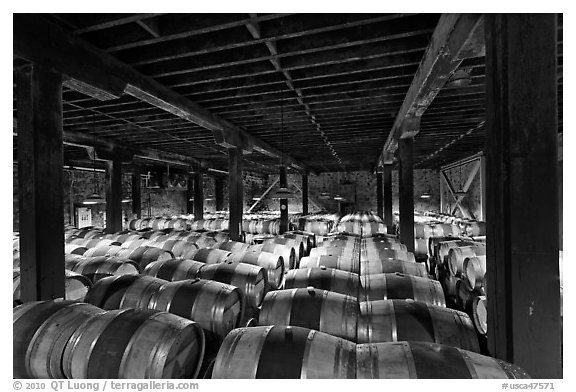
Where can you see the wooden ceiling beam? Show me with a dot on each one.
(39, 40)
(114, 23)
(456, 37)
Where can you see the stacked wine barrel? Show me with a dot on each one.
(344, 314)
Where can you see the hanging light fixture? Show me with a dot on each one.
(95, 197)
(460, 78)
(282, 192)
(323, 195)
(426, 194)
(338, 197)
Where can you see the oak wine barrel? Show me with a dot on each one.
(406, 320)
(135, 343)
(321, 310)
(281, 352)
(216, 307)
(400, 286)
(428, 360)
(331, 279)
(272, 263)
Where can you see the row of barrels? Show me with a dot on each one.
(70, 339)
(362, 217)
(436, 229)
(291, 319)
(159, 223)
(296, 352)
(361, 228)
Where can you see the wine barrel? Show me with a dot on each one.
(456, 257)
(280, 352)
(480, 314)
(174, 270)
(371, 228)
(43, 357)
(343, 263)
(103, 250)
(387, 266)
(216, 307)
(374, 253)
(208, 256)
(450, 284)
(400, 286)
(349, 252)
(26, 320)
(232, 246)
(308, 239)
(474, 270)
(443, 248)
(252, 280)
(464, 295)
(76, 286)
(74, 249)
(406, 320)
(134, 343)
(298, 245)
(428, 360)
(323, 278)
(122, 292)
(423, 230)
(177, 247)
(321, 310)
(287, 252)
(476, 229)
(96, 268)
(272, 263)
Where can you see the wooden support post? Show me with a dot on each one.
(190, 194)
(219, 193)
(283, 202)
(304, 194)
(113, 196)
(40, 195)
(379, 195)
(235, 193)
(406, 202)
(198, 196)
(522, 192)
(136, 193)
(388, 216)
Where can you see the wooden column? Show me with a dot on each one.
(40, 194)
(235, 192)
(406, 202)
(283, 202)
(136, 193)
(198, 196)
(379, 200)
(305, 194)
(113, 196)
(522, 192)
(387, 177)
(219, 193)
(190, 194)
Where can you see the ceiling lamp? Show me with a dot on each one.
(338, 197)
(426, 194)
(95, 197)
(460, 78)
(126, 200)
(283, 193)
(324, 195)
